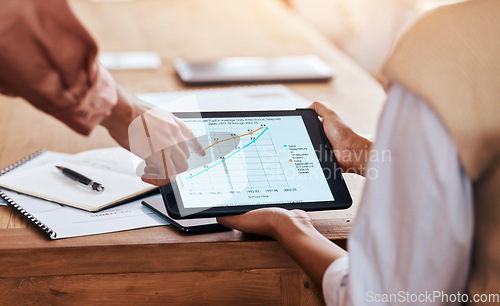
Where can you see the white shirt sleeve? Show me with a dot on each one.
(412, 238)
(336, 283)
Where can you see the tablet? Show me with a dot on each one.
(190, 226)
(254, 69)
(257, 159)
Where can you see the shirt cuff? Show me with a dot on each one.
(336, 286)
(96, 105)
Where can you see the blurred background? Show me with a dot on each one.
(364, 29)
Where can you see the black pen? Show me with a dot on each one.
(75, 176)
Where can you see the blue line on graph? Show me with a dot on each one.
(223, 160)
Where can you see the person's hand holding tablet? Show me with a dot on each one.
(351, 150)
(296, 234)
(293, 229)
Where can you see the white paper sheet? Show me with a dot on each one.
(130, 60)
(266, 97)
(71, 222)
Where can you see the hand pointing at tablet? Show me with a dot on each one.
(164, 142)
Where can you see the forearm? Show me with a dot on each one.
(361, 150)
(309, 248)
(49, 59)
(124, 112)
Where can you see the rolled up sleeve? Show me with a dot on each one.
(336, 285)
(49, 59)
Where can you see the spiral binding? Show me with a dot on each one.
(21, 162)
(52, 234)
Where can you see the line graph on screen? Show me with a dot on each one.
(252, 161)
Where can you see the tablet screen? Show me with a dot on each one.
(252, 161)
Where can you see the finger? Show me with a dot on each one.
(299, 213)
(153, 179)
(168, 171)
(192, 141)
(229, 221)
(151, 169)
(196, 146)
(179, 160)
(185, 149)
(321, 109)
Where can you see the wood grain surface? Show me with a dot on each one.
(161, 265)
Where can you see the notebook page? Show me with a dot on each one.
(114, 159)
(48, 183)
(45, 157)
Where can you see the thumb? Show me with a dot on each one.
(228, 221)
(321, 109)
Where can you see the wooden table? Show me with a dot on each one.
(160, 264)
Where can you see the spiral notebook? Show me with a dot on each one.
(59, 221)
(114, 168)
